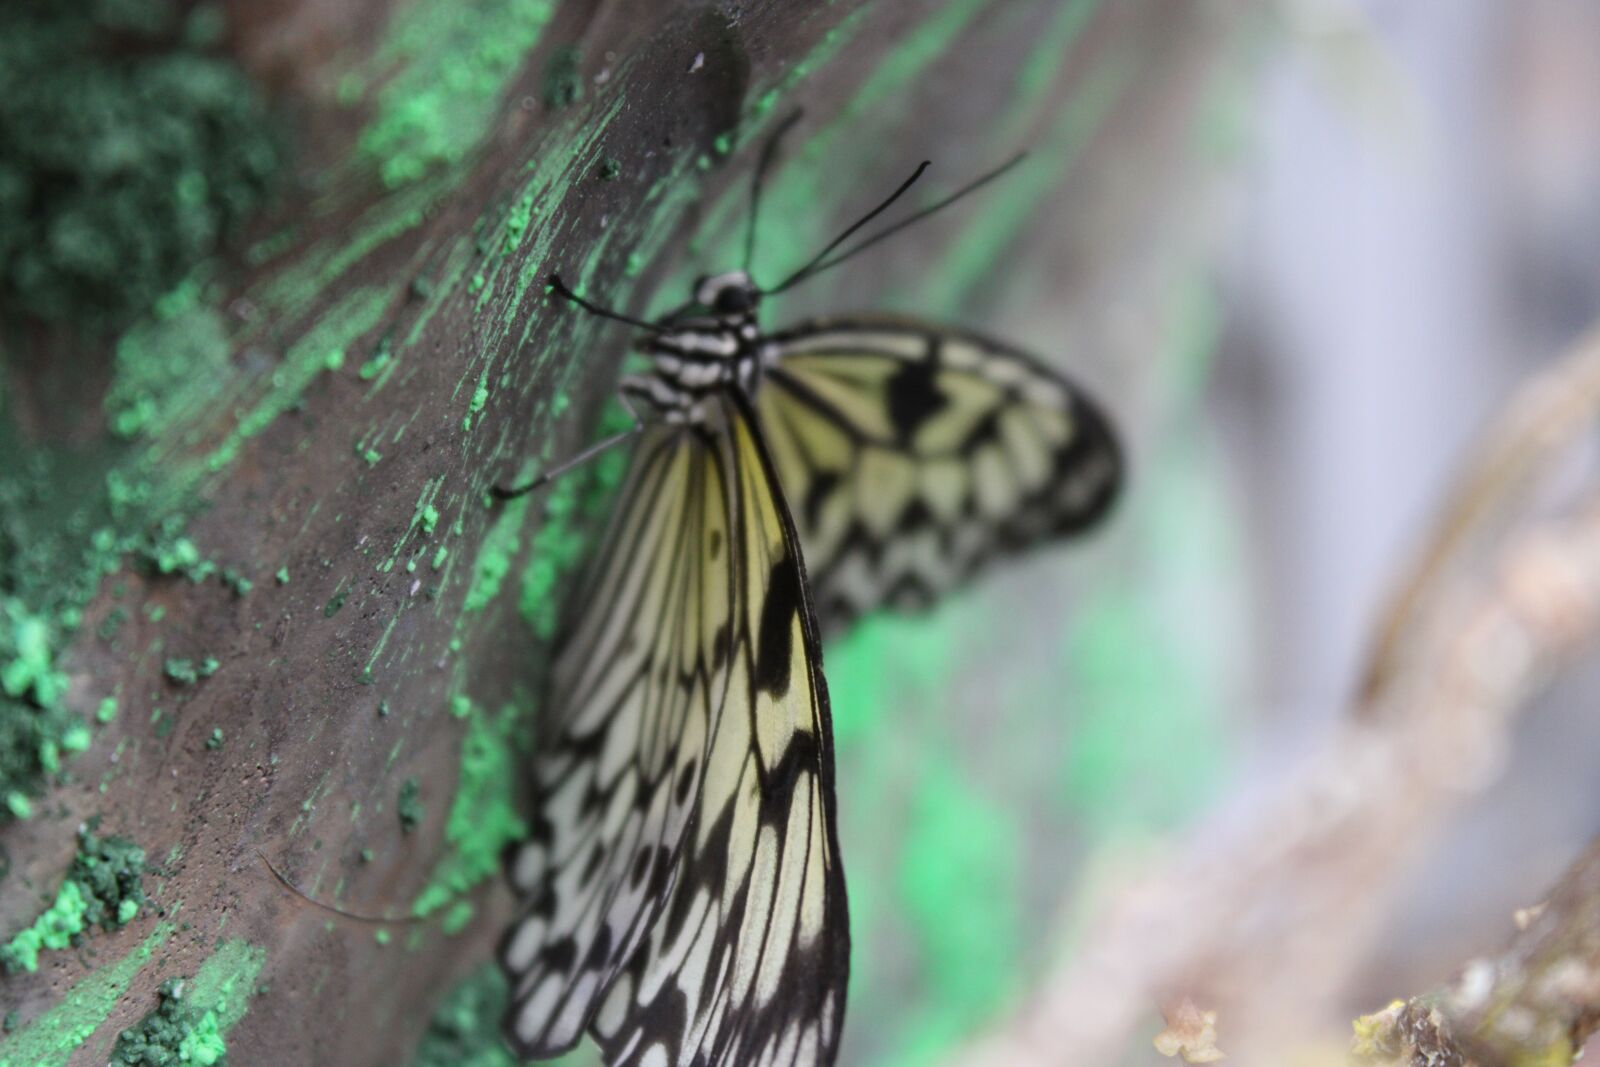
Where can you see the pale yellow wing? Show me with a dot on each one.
(715, 931)
(913, 455)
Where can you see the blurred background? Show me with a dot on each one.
(1418, 230)
(1403, 216)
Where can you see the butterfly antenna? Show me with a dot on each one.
(370, 920)
(768, 153)
(824, 262)
(595, 450)
(565, 292)
(806, 270)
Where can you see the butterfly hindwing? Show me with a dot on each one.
(695, 664)
(914, 454)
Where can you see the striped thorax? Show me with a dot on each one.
(708, 344)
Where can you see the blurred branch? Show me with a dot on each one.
(1262, 912)
(1539, 1002)
(1547, 413)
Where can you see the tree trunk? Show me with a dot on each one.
(324, 693)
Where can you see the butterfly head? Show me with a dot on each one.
(731, 296)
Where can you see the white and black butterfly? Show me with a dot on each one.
(683, 898)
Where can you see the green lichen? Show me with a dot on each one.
(563, 82)
(176, 1032)
(167, 362)
(187, 671)
(575, 505)
(408, 805)
(446, 65)
(131, 152)
(496, 554)
(46, 577)
(379, 361)
(165, 550)
(50, 1039)
(173, 1033)
(465, 1031)
(104, 888)
(307, 359)
(483, 818)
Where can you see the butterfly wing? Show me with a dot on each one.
(914, 454)
(737, 950)
(635, 691)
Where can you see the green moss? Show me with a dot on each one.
(447, 64)
(27, 661)
(465, 1031)
(33, 720)
(50, 1039)
(174, 1033)
(456, 919)
(576, 503)
(165, 550)
(381, 357)
(166, 362)
(187, 671)
(130, 154)
(307, 359)
(483, 818)
(103, 888)
(563, 82)
(496, 554)
(55, 929)
(408, 805)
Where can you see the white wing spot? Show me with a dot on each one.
(525, 942)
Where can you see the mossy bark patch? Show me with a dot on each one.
(465, 1031)
(191, 1019)
(103, 888)
(131, 152)
(408, 805)
(446, 65)
(483, 818)
(50, 1039)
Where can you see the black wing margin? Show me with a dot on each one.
(914, 455)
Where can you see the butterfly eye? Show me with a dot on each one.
(733, 300)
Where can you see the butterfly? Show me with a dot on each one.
(682, 895)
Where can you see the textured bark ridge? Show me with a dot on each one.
(311, 650)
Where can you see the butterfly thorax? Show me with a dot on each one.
(709, 345)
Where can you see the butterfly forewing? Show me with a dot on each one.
(912, 455)
(696, 659)
(747, 964)
(616, 777)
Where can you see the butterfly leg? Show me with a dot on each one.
(599, 448)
